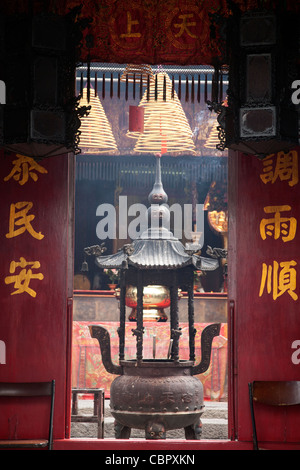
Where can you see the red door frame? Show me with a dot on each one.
(239, 314)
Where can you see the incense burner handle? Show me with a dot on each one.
(207, 337)
(102, 335)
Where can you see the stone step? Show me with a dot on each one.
(214, 423)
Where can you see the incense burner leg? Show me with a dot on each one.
(194, 431)
(155, 430)
(121, 431)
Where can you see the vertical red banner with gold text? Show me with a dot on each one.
(266, 285)
(35, 278)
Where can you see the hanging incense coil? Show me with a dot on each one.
(165, 124)
(161, 89)
(174, 104)
(213, 139)
(95, 131)
(163, 134)
(135, 72)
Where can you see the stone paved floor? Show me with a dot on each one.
(214, 423)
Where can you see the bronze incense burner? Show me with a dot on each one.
(157, 395)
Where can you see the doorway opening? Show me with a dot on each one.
(116, 169)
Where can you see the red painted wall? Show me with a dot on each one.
(264, 281)
(36, 282)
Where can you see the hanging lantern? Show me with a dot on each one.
(261, 118)
(39, 58)
(95, 130)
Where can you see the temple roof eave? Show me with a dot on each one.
(156, 254)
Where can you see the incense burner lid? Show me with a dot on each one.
(156, 254)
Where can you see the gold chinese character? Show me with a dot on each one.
(130, 23)
(278, 279)
(25, 167)
(19, 218)
(22, 279)
(281, 165)
(278, 226)
(184, 26)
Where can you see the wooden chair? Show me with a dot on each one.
(274, 393)
(30, 389)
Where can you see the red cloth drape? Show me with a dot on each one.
(88, 370)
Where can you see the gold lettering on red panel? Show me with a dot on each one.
(186, 22)
(281, 166)
(182, 26)
(278, 226)
(22, 274)
(25, 168)
(20, 220)
(279, 278)
(131, 25)
(128, 27)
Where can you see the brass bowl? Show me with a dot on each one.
(155, 300)
(154, 297)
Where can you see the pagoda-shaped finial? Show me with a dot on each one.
(158, 194)
(158, 212)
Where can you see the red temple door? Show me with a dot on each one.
(36, 282)
(264, 281)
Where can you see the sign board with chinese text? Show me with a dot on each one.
(264, 283)
(36, 278)
(182, 32)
